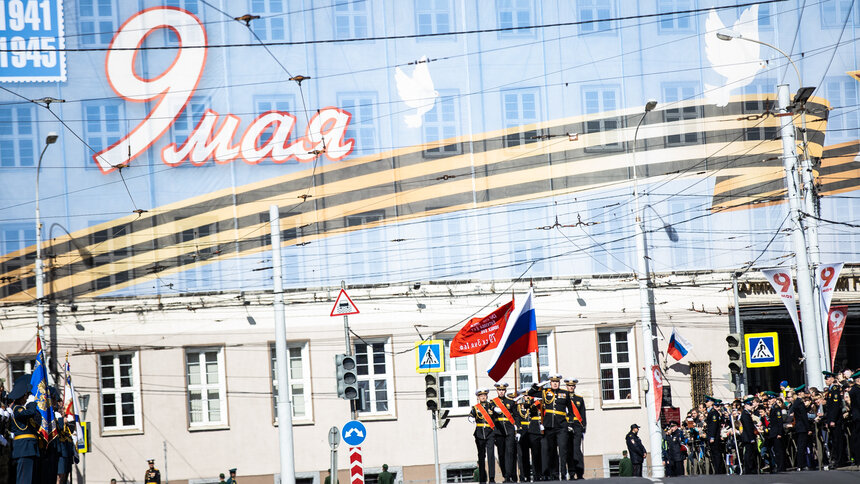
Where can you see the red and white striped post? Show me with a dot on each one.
(356, 468)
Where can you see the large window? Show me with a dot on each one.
(362, 126)
(110, 250)
(272, 24)
(298, 369)
(95, 22)
(844, 120)
(119, 379)
(599, 100)
(833, 13)
(433, 16)
(187, 120)
(616, 350)
(441, 123)
(17, 136)
(351, 19)
(101, 126)
(700, 381)
(611, 235)
(675, 95)
(197, 245)
(374, 375)
(520, 107)
(14, 237)
(595, 14)
(19, 367)
(675, 23)
(282, 103)
(207, 400)
(512, 14)
(454, 385)
(759, 98)
(192, 6)
(528, 369)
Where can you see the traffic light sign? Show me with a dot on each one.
(442, 420)
(735, 362)
(347, 379)
(431, 391)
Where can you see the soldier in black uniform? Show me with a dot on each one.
(505, 433)
(675, 438)
(713, 424)
(24, 425)
(748, 438)
(535, 433)
(556, 404)
(523, 445)
(833, 419)
(576, 425)
(636, 449)
(152, 475)
(776, 433)
(802, 427)
(854, 395)
(481, 416)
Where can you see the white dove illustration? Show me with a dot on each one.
(738, 61)
(416, 92)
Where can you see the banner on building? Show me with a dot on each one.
(780, 280)
(836, 319)
(658, 389)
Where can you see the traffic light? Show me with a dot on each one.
(431, 391)
(734, 352)
(442, 419)
(347, 379)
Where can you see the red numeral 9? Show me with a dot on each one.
(827, 276)
(783, 280)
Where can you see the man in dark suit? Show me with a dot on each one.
(636, 450)
(576, 426)
(713, 425)
(748, 437)
(802, 428)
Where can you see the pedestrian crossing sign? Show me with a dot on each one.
(762, 349)
(429, 356)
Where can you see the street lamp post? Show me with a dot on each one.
(654, 433)
(805, 230)
(40, 278)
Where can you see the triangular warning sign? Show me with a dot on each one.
(429, 359)
(761, 352)
(343, 305)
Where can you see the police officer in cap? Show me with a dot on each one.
(481, 416)
(152, 475)
(802, 427)
(576, 426)
(713, 424)
(556, 404)
(749, 449)
(25, 423)
(636, 449)
(505, 433)
(833, 419)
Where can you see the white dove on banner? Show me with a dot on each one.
(737, 61)
(416, 91)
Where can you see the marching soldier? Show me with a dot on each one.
(25, 427)
(152, 475)
(556, 404)
(833, 419)
(713, 424)
(484, 425)
(535, 433)
(505, 433)
(854, 395)
(575, 460)
(523, 446)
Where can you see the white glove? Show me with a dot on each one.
(570, 429)
(70, 418)
(518, 437)
(31, 398)
(544, 384)
(497, 410)
(541, 427)
(471, 419)
(58, 415)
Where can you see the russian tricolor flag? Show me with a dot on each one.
(518, 340)
(678, 346)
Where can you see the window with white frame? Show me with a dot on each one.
(833, 13)
(351, 19)
(441, 123)
(362, 126)
(759, 97)
(520, 107)
(433, 16)
(14, 237)
(679, 22)
(765, 17)
(843, 120)
(528, 369)
(101, 126)
(282, 103)
(272, 23)
(119, 387)
(19, 367)
(616, 349)
(187, 120)
(298, 369)
(374, 375)
(514, 13)
(17, 136)
(95, 22)
(207, 399)
(600, 100)
(454, 385)
(191, 6)
(595, 14)
(611, 233)
(676, 94)
(113, 252)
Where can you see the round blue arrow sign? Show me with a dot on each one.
(353, 433)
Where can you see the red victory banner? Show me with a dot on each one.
(658, 389)
(481, 334)
(835, 324)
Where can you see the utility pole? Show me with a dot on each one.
(353, 411)
(164, 446)
(435, 421)
(808, 325)
(739, 329)
(285, 411)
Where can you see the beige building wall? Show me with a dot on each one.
(160, 331)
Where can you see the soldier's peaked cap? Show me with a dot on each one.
(482, 391)
(555, 377)
(571, 381)
(20, 388)
(829, 373)
(502, 385)
(233, 470)
(856, 374)
(712, 399)
(150, 461)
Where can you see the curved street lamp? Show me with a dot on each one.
(40, 278)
